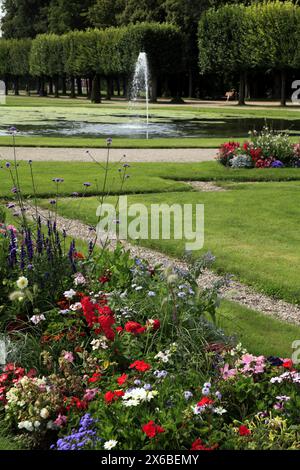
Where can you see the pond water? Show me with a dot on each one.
(158, 127)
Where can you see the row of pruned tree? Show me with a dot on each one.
(240, 39)
(92, 55)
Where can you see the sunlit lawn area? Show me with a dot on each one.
(251, 229)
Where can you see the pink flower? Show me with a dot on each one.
(90, 394)
(60, 420)
(227, 373)
(68, 356)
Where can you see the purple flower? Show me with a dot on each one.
(53, 202)
(12, 130)
(14, 190)
(277, 164)
(30, 162)
(109, 141)
(87, 185)
(7, 164)
(75, 194)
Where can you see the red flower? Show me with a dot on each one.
(99, 315)
(104, 279)
(151, 429)
(75, 402)
(288, 363)
(244, 431)
(79, 255)
(121, 380)
(119, 329)
(95, 377)
(198, 445)
(134, 328)
(109, 397)
(141, 366)
(205, 401)
(153, 324)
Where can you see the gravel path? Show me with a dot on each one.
(233, 290)
(132, 155)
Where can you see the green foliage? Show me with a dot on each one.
(107, 52)
(238, 37)
(46, 55)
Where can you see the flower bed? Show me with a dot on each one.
(263, 150)
(111, 340)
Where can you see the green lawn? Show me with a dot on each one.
(87, 142)
(144, 177)
(260, 334)
(253, 231)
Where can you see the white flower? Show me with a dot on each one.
(163, 356)
(17, 295)
(151, 293)
(76, 307)
(110, 444)
(22, 283)
(219, 410)
(36, 424)
(138, 395)
(99, 343)
(69, 294)
(44, 413)
(36, 319)
(26, 425)
(138, 288)
(79, 279)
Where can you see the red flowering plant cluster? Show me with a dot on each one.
(264, 149)
(11, 375)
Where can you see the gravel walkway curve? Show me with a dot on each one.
(233, 290)
(132, 155)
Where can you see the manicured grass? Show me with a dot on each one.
(259, 333)
(254, 232)
(87, 142)
(144, 177)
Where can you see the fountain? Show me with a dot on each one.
(140, 85)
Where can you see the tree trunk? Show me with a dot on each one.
(283, 88)
(108, 89)
(56, 87)
(64, 85)
(16, 86)
(153, 89)
(42, 87)
(6, 84)
(96, 89)
(125, 90)
(50, 86)
(191, 84)
(72, 88)
(79, 86)
(242, 90)
(89, 88)
(118, 87)
(27, 87)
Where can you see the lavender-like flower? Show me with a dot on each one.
(85, 437)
